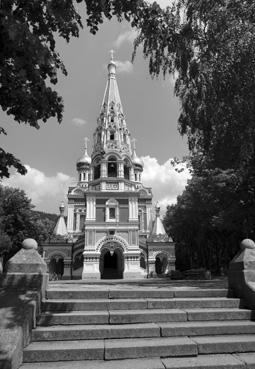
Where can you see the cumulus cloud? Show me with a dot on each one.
(127, 36)
(162, 3)
(166, 183)
(125, 66)
(45, 192)
(79, 122)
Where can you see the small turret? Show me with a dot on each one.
(60, 228)
(138, 164)
(158, 232)
(83, 164)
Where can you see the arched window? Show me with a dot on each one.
(126, 169)
(97, 170)
(125, 138)
(112, 210)
(112, 136)
(112, 167)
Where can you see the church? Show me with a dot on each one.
(110, 232)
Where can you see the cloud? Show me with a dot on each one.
(48, 192)
(45, 192)
(79, 122)
(162, 3)
(125, 66)
(166, 183)
(127, 36)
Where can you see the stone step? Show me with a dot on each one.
(86, 332)
(142, 316)
(175, 315)
(81, 332)
(131, 304)
(114, 349)
(149, 292)
(225, 344)
(204, 328)
(74, 317)
(218, 361)
(109, 349)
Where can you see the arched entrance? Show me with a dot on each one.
(56, 268)
(161, 263)
(111, 263)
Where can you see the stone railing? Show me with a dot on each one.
(241, 276)
(22, 286)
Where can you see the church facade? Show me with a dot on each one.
(109, 211)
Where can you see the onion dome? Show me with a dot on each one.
(85, 159)
(135, 159)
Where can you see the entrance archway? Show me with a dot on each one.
(111, 264)
(161, 263)
(56, 268)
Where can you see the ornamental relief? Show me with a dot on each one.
(112, 146)
(112, 186)
(114, 239)
(154, 254)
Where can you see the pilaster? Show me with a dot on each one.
(70, 218)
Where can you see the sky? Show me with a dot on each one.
(151, 111)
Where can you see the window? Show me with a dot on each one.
(97, 170)
(111, 232)
(126, 169)
(112, 210)
(112, 136)
(112, 213)
(112, 167)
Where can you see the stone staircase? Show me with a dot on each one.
(141, 327)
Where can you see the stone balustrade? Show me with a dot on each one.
(241, 276)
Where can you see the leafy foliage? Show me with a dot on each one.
(29, 61)
(18, 221)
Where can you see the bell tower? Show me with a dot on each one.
(109, 211)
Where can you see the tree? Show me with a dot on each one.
(211, 47)
(29, 61)
(18, 221)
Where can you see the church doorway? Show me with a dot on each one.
(56, 268)
(161, 263)
(111, 264)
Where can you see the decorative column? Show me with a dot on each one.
(120, 170)
(77, 226)
(103, 169)
(70, 217)
(132, 174)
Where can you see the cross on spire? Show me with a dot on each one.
(134, 143)
(86, 140)
(112, 54)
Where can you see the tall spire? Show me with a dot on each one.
(111, 94)
(111, 133)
